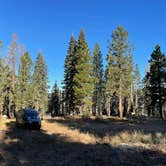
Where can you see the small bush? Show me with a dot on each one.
(86, 115)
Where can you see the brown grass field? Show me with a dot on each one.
(85, 142)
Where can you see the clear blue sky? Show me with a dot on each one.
(48, 25)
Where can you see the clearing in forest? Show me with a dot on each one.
(94, 141)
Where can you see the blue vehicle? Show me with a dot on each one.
(28, 118)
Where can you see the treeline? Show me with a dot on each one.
(23, 84)
(117, 89)
(89, 87)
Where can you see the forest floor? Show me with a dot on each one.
(76, 141)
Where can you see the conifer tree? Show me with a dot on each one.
(69, 72)
(110, 81)
(40, 84)
(119, 68)
(136, 85)
(156, 80)
(10, 66)
(97, 74)
(7, 92)
(24, 81)
(54, 101)
(83, 82)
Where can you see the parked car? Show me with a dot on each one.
(28, 118)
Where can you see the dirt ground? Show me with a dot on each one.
(75, 142)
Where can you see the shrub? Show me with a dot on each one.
(86, 115)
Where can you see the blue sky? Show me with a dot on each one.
(48, 24)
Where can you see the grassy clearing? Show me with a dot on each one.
(136, 137)
(112, 131)
(90, 141)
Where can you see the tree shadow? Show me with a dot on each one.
(102, 127)
(31, 147)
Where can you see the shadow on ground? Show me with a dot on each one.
(36, 148)
(101, 127)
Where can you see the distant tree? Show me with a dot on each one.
(54, 101)
(97, 75)
(156, 81)
(119, 68)
(69, 73)
(40, 84)
(83, 82)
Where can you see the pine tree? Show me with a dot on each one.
(156, 80)
(40, 84)
(10, 66)
(12, 57)
(69, 70)
(24, 81)
(7, 92)
(97, 74)
(83, 86)
(110, 82)
(119, 68)
(136, 85)
(54, 101)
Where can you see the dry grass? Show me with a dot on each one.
(84, 141)
(73, 134)
(133, 137)
(137, 137)
(3, 127)
(68, 134)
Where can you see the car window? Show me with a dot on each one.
(31, 113)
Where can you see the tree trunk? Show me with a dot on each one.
(1, 106)
(94, 109)
(136, 101)
(120, 107)
(131, 100)
(108, 106)
(160, 96)
(99, 106)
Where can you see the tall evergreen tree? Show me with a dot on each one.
(97, 74)
(11, 66)
(110, 81)
(83, 86)
(24, 81)
(69, 72)
(119, 66)
(136, 86)
(40, 83)
(156, 80)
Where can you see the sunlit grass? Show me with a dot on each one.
(112, 138)
(134, 137)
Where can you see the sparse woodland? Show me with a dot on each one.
(117, 89)
(104, 114)
(89, 86)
